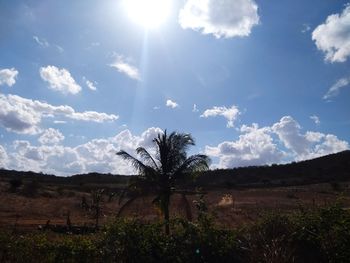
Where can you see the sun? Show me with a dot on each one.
(148, 13)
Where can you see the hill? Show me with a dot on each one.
(329, 168)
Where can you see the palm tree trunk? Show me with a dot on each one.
(166, 203)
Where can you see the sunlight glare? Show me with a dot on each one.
(148, 13)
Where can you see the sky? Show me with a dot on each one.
(255, 82)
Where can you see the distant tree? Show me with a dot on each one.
(31, 188)
(15, 183)
(161, 174)
(97, 199)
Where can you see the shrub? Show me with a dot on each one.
(308, 235)
(15, 183)
(31, 188)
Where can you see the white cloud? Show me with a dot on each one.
(21, 115)
(316, 119)
(97, 155)
(8, 76)
(59, 48)
(59, 122)
(308, 145)
(222, 18)
(195, 109)
(333, 36)
(335, 89)
(123, 66)
(257, 146)
(171, 104)
(254, 147)
(230, 114)
(3, 157)
(288, 131)
(51, 136)
(41, 41)
(91, 85)
(59, 80)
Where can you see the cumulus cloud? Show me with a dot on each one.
(21, 115)
(171, 104)
(257, 146)
(288, 131)
(316, 119)
(221, 18)
(51, 136)
(59, 80)
(335, 89)
(230, 114)
(123, 66)
(8, 76)
(97, 155)
(308, 145)
(3, 157)
(195, 109)
(333, 36)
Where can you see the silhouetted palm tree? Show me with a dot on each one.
(160, 174)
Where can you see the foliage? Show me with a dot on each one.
(15, 183)
(161, 174)
(96, 206)
(308, 235)
(31, 188)
(39, 248)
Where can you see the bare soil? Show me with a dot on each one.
(229, 207)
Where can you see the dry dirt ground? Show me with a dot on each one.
(229, 207)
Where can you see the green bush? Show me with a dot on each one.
(309, 235)
(39, 248)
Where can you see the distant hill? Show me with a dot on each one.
(330, 168)
(78, 179)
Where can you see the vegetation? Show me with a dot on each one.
(308, 235)
(15, 183)
(332, 168)
(161, 174)
(97, 200)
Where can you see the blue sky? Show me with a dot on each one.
(255, 82)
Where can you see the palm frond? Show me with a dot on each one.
(189, 192)
(147, 157)
(187, 207)
(194, 163)
(134, 188)
(137, 164)
(122, 195)
(156, 200)
(126, 204)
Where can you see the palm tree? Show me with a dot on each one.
(159, 175)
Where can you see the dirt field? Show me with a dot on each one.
(228, 206)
